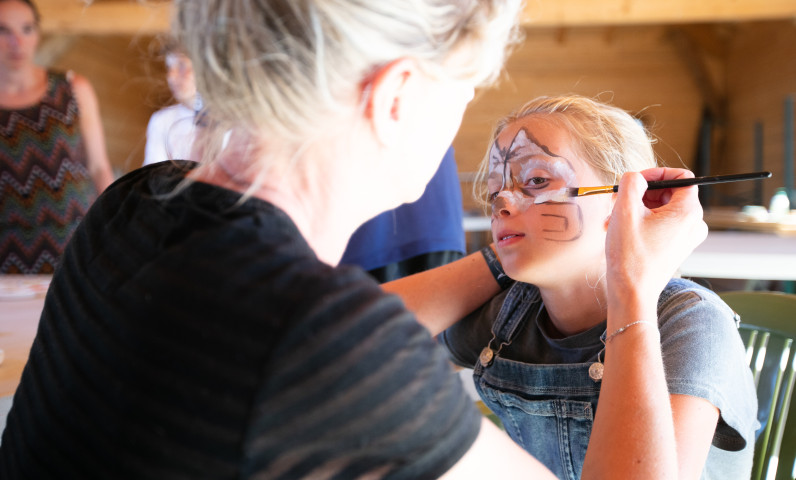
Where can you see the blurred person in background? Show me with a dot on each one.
(171, 130)
(53, 161)
(416, 236)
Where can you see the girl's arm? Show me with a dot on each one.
(444, 295)
(93, 136)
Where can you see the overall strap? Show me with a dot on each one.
(522, 297)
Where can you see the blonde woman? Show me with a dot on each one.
(199, 326)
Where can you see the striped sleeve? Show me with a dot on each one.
(357, 387)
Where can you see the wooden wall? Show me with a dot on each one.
(635, 68)
(666, 74)
(761, 73)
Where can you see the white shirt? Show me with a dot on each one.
(170, 134)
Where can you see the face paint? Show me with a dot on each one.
(554, 195)
(526, 173)
(520, 201)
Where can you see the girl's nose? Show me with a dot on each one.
(503, 206)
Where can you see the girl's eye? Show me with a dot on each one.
(493, 196)
(536, 181)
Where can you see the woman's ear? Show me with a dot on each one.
(388, 101)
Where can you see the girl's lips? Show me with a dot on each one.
(506, 237)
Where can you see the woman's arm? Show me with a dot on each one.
(495, 455)
(93, 136)
(634, 433)
(695, 421)
(444, 295)
(155, 148)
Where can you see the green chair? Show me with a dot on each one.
(768, 328)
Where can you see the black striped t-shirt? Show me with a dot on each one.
(191, 337)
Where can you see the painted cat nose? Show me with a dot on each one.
(502, 206)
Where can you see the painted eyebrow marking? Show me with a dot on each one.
(529, 136)
(511, 151)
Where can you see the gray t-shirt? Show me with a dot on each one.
(702, 352)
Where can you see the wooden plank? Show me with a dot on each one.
(629, 12)
(147, 16)
(124, 17)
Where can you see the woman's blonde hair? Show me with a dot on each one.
(277, 68)
(608, 138)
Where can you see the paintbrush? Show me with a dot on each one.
(565, 193)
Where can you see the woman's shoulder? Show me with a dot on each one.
(171, 114)
(61, 79)
(79, 85)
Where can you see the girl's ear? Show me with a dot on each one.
(388, 98)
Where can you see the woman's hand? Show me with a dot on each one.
(650, 233)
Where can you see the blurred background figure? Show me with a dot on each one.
(170, 132)
(53, 160)
(416, 236)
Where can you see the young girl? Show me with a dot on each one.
(538, 347)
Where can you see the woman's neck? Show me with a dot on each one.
(22, 88)
(21, 80)
(313, 198)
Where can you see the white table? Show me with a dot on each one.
(743, 255)
(21, 303)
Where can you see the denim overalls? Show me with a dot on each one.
(547, 409)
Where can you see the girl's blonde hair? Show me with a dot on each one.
(278, 68)
(608, 138)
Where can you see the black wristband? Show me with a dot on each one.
(496, 268)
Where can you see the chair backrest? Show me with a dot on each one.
(768, 327)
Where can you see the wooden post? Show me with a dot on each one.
(788, 171)
(758, 192)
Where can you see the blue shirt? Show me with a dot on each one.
(431, 224)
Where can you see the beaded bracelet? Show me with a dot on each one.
(496, 268)
(618, 331)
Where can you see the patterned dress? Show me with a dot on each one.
(45, 185)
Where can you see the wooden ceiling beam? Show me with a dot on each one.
(103, 17)
(556, 13)
(148, 16)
